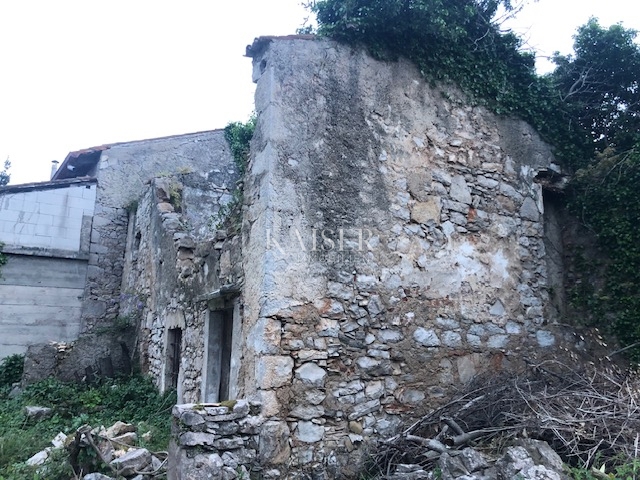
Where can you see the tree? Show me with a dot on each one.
(599, 85)
(451, 40)
(599, 88)
(5, 176)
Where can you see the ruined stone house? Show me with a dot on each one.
(66, 239)
(394, 240)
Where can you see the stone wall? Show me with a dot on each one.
(123, 172)
(175, 257)
(393, 247)
(214, 441)
(172, 214)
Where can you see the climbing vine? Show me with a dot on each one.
(605, 196)
(588, 109)
(238, 135)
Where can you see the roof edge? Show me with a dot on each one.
(27, 187)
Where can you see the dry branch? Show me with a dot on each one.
(581, 414)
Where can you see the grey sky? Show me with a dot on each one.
(80, 73)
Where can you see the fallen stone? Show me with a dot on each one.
(39, 458)
(59, 440)
(119, 428)
(131, 461)
(38, 413)
(473, 460)
(96, 476)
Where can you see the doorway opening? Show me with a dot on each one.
(174, 354)
(218, 362)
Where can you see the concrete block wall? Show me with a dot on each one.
(49, 217)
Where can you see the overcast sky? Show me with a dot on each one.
(81, 73)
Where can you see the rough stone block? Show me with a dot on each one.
(131, 461)
(274, 371)
(273, 443)
(309, 432)
(192, 439)
(311, 374)
(426, 338)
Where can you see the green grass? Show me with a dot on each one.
(133, 399)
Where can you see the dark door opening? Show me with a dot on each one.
(174, 354)
(219, 355)
(554, 225)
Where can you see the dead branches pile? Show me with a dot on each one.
(582, 414)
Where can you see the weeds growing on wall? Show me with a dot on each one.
(239, 136)
(588, 109)
(134, 399)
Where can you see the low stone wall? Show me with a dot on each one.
(214, 441)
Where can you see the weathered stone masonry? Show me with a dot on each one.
(174, 258)
(432, 265)
(392, 245)
(122, 171)
(197, 174)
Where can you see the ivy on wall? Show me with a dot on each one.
(238, 136)
(606, 197)
(588, 109)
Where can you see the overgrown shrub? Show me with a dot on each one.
(134, 399)
(11, 370)
(605, 196)
(239, 136)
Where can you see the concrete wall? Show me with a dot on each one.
(50, 217)
(393, 248)
(41, 301)
(45, 230)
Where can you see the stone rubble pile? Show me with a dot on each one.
(115, 447)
